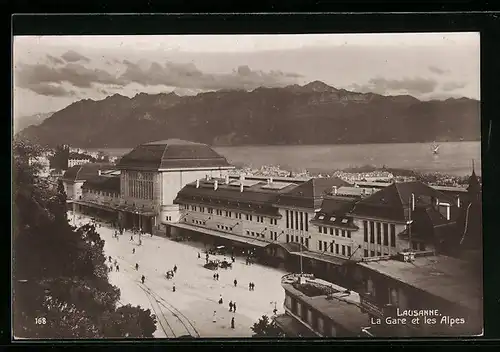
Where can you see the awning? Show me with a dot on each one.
(134, 210)
(227, 236)
(321, 257)
(291, 327)
(96, 205)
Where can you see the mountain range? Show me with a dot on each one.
(22, 122)
(315, 113)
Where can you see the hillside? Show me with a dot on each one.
(311, 114)
(21, 122)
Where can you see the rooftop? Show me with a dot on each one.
(256, 196)
(311, 193)
(85, 171)
(172, 154)
(103, 183)
(342, 306)
(448, 278)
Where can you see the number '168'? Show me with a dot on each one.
(40, 321)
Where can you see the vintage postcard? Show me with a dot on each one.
(240, 186)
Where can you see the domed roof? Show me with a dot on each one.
(172, 154)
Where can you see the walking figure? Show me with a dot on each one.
(117, 268)
(214, 319)
(231, 306)
(131, 237)
(232, 259)
(173, 288)
(235, 282)
(215, 276)
(249, 286)
(220, 300)
(234, 307)
(143, 278)
(232, 323)
(199, 256)
(133, 250)
(136, 266)
(109, 259)
(253, 286)
(275, 311)
(175, 268)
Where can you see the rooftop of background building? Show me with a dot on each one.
(85, 171)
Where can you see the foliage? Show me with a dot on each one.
(60, 279)
(266, 328)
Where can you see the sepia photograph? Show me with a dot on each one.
(247, 186)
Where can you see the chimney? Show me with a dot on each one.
(227, 179)
(241, 186)
(216, 185)
(197, 183)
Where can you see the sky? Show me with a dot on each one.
(52, 72)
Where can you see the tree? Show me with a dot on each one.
(60, 278)
(266, 328)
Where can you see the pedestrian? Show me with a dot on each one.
(215, 276)
(234, 307)
(117, 268)
(249, 286)
(253, 286)
(131, 237)
(136, 267)
(220, 300)
(232, 323)
(109, 259)
(231, 306)
(110, 268)
(214, 319)
(275, 311)
(173, 288)
(199, 256)
(175, 268)
(232, 258)
(235, 282)
(133, 250)
(143, 278)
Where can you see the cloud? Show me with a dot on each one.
(187, 75)
(183, 76)
(55, 60)
(50, 90)
(437, 70)
(449, 86)
(414, 86)
(26, 75)
(73, 56)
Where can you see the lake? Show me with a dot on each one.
(454, 158)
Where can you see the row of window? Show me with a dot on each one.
(230, 214)
(297, 220)
(337, 232)
(101, 193)
(313, 318)
(340, 250)
(367, 253)
(169, 218)
(255, 234)
(291, 238)
(370, 234)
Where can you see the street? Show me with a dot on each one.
(190, 309)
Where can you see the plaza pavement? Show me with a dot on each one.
(190, 309)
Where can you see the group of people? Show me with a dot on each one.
(113, 264)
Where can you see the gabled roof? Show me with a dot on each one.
(172, 154)
(85, 171)
(335, 212)
(254, 198)
(392, 202)
(310, 194)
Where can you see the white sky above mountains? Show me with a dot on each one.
(51, 72)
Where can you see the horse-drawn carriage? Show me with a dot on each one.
(212, 265)
(218, 250)
(169, 274)
(225, 264)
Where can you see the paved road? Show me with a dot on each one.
(190, 309)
